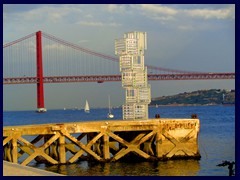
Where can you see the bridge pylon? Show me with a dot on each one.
(40, 87)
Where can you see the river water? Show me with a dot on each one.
(216, 142)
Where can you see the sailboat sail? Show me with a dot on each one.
(87, 109)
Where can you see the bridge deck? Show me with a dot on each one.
(111, 78)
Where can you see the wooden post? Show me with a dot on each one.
(106, 153)
(14, 150)
(159, 151)
(7, 151)
(46, 138)
(62, 152)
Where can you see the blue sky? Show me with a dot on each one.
(194, 37)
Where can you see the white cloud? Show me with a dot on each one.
(226, 13)
(166, 13)
(46, 13)
(116, 8)
(158, 9)
(163, 18)
(112, 7)
(99, 24)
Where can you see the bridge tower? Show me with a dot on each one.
(134, 74)
(40, 88)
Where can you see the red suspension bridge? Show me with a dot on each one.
(42, 58)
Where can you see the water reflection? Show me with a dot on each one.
(167, 168)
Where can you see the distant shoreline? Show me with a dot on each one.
(192, 105)
(152, 105)
(208, 97)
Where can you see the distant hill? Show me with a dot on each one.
(200, 97)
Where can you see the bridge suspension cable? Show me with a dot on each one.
(63, 58)
(108, 57)
(18, 40)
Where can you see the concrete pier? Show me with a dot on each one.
(104, 141)
(13, 169)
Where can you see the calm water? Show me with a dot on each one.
(216, 142)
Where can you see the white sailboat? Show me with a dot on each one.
(87, 109)
(109, 115)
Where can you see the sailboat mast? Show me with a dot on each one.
(109, 109)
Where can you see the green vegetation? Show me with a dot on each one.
(200, 97)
